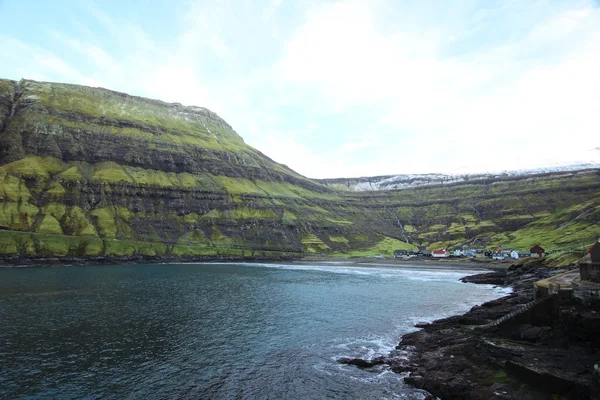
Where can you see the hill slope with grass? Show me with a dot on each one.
(89, 173)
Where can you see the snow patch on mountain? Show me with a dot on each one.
(404, 181)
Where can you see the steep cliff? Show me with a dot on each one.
(88, 172)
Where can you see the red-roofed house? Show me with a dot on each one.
(498, 254)
(594, 252)
(440, 253)
(537, 251)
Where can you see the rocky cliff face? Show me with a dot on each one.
(80, 124)
(94, 172)
(87, 172)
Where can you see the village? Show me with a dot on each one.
(535, 251)
(581, 283)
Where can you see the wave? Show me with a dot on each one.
(340, 267)
(368, 347)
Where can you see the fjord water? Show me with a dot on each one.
(222, 331)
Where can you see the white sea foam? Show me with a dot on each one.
(328, 267)
(372, 346)
(384, 271)
(368, 347)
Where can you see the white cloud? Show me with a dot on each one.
(358, 87)
(294, 154)
(350, 147)
(175, 83)
(341, 54)
(94, 54)
(514, 107)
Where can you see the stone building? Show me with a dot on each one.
(589, 265)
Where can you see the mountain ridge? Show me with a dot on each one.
(402, 181)
(91, 173)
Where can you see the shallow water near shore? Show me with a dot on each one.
(222, 331)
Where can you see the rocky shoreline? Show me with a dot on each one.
(24, 261)
(548, 356)
(109, 260)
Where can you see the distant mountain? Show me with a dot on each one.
(89, 174)
(404, 181)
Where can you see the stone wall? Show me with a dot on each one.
(541, 312)
(586, 292)
(590, 271)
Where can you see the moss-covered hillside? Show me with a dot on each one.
(87, 172)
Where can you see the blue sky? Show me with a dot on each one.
(342, 88)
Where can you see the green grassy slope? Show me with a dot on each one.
(93, 173)
(558, 211)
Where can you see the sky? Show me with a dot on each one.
(342, 88)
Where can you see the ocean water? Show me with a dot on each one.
(215, 331)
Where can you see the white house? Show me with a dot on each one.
(458, 253)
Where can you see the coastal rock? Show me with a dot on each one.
(361, 363)
(531, 333)
(455, 360)
(492, 278)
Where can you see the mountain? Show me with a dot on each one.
(403, 181)
(88, 173)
